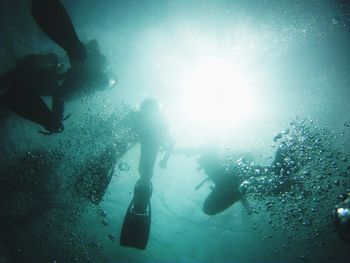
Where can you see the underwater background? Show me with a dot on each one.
(236, 73)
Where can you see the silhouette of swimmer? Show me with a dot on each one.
(41, 75)
(232, 180)
(226, 190)
(145, 126)
(153, 134)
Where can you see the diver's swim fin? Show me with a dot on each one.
(136, 228)
(54, 20)
(29, 105)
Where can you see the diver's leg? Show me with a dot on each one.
(143, 187)
(57, 107)
(142, 195)
(54, 20)
(148, 158)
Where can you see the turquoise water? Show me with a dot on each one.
(233, 73)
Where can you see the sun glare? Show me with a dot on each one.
(217, 95)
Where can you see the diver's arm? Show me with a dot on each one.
(54, 20)
(187, 151)
(169, 150)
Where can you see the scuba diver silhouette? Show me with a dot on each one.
(231, 179)
(42, 75)
(153, 134)
(226, 190)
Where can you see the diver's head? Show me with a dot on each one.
(96, 61)
(341, 216)
(150, 107)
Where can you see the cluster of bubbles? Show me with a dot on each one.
(47, 193)
(301, 187)
(27, 186)
(299, 190)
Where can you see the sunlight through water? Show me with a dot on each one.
(217, 94)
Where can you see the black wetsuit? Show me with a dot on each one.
(153, 133)
(26, 83)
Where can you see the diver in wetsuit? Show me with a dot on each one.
(89, 68)
(226, 190)
(40, 75)
(153, 134)
(231, 179)
(226, 180)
